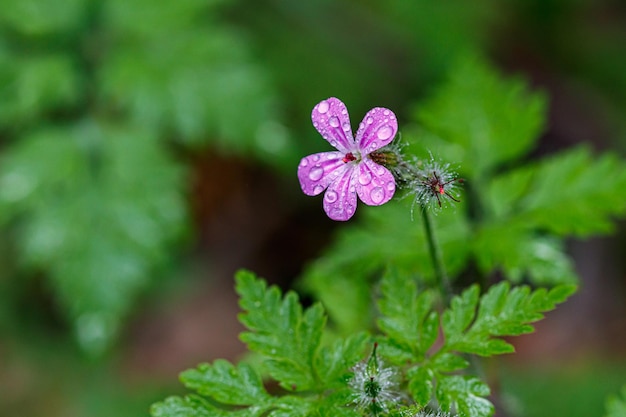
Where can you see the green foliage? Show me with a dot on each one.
(473, 324)
(616, 405)
(91, 94)
(85, 209)
(513, 216)
(490, 120)
(288, 339)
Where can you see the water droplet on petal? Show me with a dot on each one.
(365, 178)
(373, 145)
(316, 173)
(377, 195)
(316, 157)
(334, 121)
(304, 163)
(391, 186)
(323, 107)
(346, 127)
(318, 189)
(384, 132)
(333, 143)
(369, 120)
(331, 196)
(386, 112)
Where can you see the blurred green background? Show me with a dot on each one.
(148, 150)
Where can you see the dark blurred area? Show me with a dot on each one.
(148, 151)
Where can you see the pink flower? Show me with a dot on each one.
(349, 171)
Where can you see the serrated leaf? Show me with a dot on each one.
(195, 406)
(407, 316)
(280, 330)
(98, 206)
(492, 120)
(503, 311)
(421, 385)
(333, 363)
(573, 192)
(458, 317)
(447, 362)
(522, 255)
(465, 394)
(226, 383)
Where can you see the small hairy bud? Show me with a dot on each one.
(374, 386)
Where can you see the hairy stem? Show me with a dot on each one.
(435, 256)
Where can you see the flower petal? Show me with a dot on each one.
(330, 118)
(316, 171)
(378, 128)
(375, 185)
(340, 198)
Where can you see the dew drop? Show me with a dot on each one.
(316, 173)
(373, 145)
(323, 107)
(365, 178)
(384, 132)
(331, 196)
(369, 120)
(346, 127)
(304, 163)
(377, 195)
(391, 186)
(386, 112)
(334, 121)
(333, 143)
(318, 189)
(316, 157)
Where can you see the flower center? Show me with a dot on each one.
(349, 157)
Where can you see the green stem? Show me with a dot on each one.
(435, 256)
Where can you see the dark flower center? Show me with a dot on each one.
(349, 158)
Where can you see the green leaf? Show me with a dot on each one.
(522, 255)
(97, 208)
(34, 85)
(616, 405)
(333, 363)
(407, 316)
(421, 384)
(465, 394)
(490, 120)
(195, 406)
(42, 17)
(343, 275)
(280, 330)
(226, 383)
(458, 317)
(199, 83)
(503, 311)
(574, 192)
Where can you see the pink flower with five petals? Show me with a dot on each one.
(349, 171)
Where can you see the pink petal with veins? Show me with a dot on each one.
(316, 171)
(378, 128)
(330, 118)
(375, 185)
(340, 198)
